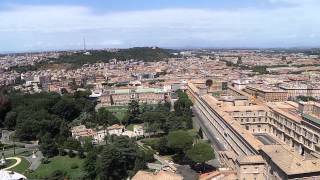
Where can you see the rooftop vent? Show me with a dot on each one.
(298, 164)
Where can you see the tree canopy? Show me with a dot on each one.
(200, 153)
(179, 140)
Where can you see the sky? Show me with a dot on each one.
(39, 25)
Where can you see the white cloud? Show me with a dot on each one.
(295, 2)
(64, 26)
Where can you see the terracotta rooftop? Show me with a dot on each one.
(144, 175)
(287, 109)
(251, 159)
(244, 108)
(290, 162)
(256, 144)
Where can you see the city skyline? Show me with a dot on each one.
(58, 25)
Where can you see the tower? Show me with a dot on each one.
(84, 45)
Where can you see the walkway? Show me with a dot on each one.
(35, 162)
(15, 164)
(209, 134)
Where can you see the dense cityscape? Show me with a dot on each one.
(162, 113)
(159, 90)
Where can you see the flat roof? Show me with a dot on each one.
(251, 159)
(137, 90)
(256, 144)
(287, 109)
(290, 162)
(311, 118)
(244, 108)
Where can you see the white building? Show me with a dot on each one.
(10, 175)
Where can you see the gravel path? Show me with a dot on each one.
(15, 164)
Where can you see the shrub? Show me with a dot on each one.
(81, 154)
(71, 154)
(45, 160)
(62, 152)
(57, 174)
(74, 166)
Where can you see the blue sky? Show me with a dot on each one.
(61, 24)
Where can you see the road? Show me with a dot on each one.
(217, 145)
(18, 161)
(35, 162)
(9, 152)
(205, 126)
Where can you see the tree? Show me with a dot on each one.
(167, 106)
(67, 109)
(87, 144)
(133, 111)
(72, 144)
(306, 98)
(180, 140)
(10, 120)
(209, 83)
(154, 121)
(90, 165)
(120, 158)
(5, 106)
(200, 133)
(229, 63)
(239, 61)
(64, 133)
(109, 165)
(174, 123)
(48, 146)
(105, 117)
(163, 146)
(183, 105)
(143, 156)
(200, 153)
(128, 150)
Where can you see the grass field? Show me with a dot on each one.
(22, 167)
(119, 111)
(130, 127)
(63, 163)
(9, 162)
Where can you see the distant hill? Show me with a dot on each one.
(76, 60)
(139, 53)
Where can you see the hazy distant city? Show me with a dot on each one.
(162, 90)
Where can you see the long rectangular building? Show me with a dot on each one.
(256, 137)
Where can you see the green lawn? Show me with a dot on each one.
(22, 167)
(62, 163)
(117, 108)
(130, 127)
(9, 162)
(120, 111)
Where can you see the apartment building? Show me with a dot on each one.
(124, 96)
(274, 140)
(267, 93)
(295, 90)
